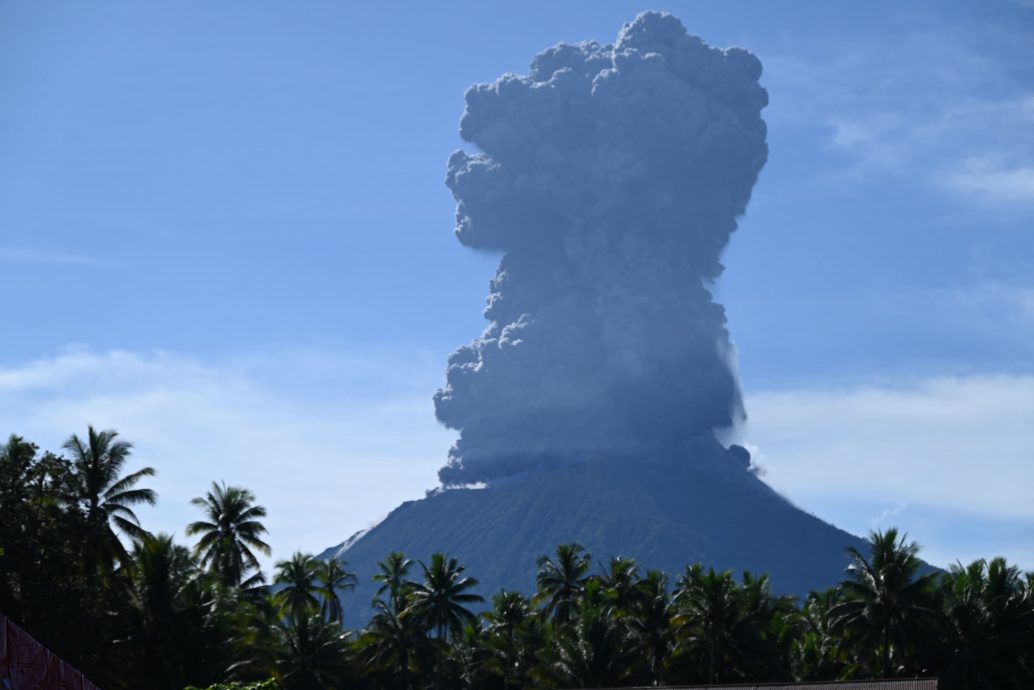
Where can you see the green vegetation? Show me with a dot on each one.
(74, 558)
(229, 535)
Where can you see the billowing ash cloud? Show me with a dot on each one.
(610, 178)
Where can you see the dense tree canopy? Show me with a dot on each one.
(164, 616)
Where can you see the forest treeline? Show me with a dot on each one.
(137, 610)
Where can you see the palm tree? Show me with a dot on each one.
(761, 636)
(439, 600)
(560, 583)
(392, 644)
(987, 627)
(332, 578)
(105, 495)
(594, 651)
(817, 647)
(620, 582)
(312, 653)
(160, 573)
(510, 637)
(297, 596)
(885, 602)
(17, 457)
(509, 611)
(229, 534)
(392, 576)
(649, 621)
(257, 642)
(707, 614)
(468, 657)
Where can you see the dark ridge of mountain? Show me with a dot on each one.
(664, 513)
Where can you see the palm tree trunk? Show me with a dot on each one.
(438, 666)
(712, 672)
(886, 651)
(403, 653)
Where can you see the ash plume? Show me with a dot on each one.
(610, 178)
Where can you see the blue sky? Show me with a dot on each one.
(224, 232)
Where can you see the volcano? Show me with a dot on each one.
(665, 513)
(610, 179)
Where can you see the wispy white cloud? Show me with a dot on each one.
(329, 442)
(1002, 306)
(995, 313)
(33, 257)
(887, 516)
(972, 147)
(865, 455)
(936, 109)
(992, 180)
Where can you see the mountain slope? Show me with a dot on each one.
(666, 514)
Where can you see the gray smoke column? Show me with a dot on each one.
(610, 179)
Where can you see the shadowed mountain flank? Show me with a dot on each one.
(666, 514)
